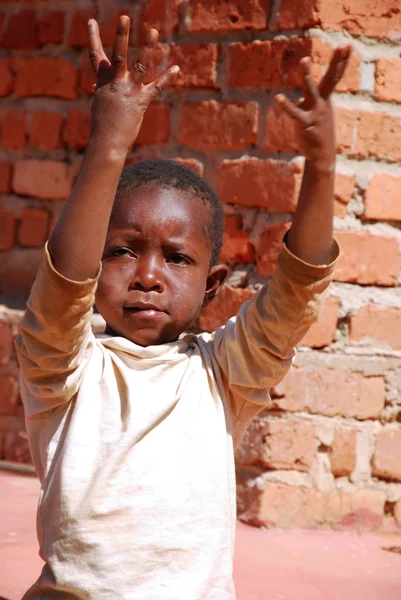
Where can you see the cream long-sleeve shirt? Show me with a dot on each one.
(134, 446)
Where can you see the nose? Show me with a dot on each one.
(147, 275)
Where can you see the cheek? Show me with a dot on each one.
(110, 287)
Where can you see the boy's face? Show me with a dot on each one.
(156, 273)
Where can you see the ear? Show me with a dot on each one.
(216, 278)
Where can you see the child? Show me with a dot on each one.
(133, 431)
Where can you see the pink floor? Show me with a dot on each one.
(269, 565)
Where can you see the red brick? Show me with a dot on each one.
(268, 247)
(197, 63)
(78, 33)
(279, 132)
(321, 54)
(9, 390)
(21, 30)
(386, 462)
(108, 26)
(378, 135)
(192, 163)
(378, 324)
(388, 76)
(46, 76)
(34, 227)
(397, 513)
(77, 129)
(161, 15)
(362, 17)
(16, 448)
(343, 189)
(267, 64)
(346, 124)
(86, 75)
(368, 259)
(46, 129)
(7, 229)
(51, 27)
(226, 305)
(228, 15)
(321, 334)
(302, 15)
(279, 444)
(13, 129)
(6, 169)
(211, 124)
(6, 77)
(382, 198)
(6, 341)
(343, 451)
(46, 179)
(236, 246)
(18, 269)
(155, 125)
(331, 392)
(254, 182)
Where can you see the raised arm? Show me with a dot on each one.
(120, 102)
(310, 236)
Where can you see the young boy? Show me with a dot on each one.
(133, 431)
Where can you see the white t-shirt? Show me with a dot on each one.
(134, 446)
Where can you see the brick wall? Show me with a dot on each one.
(329, 451)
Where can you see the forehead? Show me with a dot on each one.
(171, 211)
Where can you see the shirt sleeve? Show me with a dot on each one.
(55, 339)
(255, 349)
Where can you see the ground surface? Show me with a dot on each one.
(269, 565)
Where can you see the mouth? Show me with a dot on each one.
(144, 310)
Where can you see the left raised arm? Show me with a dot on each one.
(310, 236)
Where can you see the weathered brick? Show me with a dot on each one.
(279, 132)
(46, 129)
(46, 179)
(161, 15)
(155, 125)
(16, 448)
(378, 135)
(197, 64)
(321, 334)
(254, 182)
(13, 129)
(51, 27)
(229, 15)
(362, 17)
(388, 76)
(397, 513)
(21, 30)
(321, 55)
(6, 77)
(6, 169)
(34, 227)
(346, 124)
(343, 190)
(382, 198)
(343, 451)
(330, 392)
(290, 444)
(302, 15)
(18, 269)
(46, 76)
(236, 246)
(268, 247)
(7, 229)
(224, 306)
(377, 323)
(9, 390)
(78, 33)
(267, 64)
(386, 462)
(6, 341)
(192, 163)
(77, 128)
(211, 124)
(368, 259)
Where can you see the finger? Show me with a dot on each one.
(142, 62)
(93, 88)
(310, 87)
(159, 84)
(335, 70)
(120, 48)
(290, 108)
(95, 47)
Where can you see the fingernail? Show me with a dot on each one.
(175, 68)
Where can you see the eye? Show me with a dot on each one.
(121, 252)
(178, 259)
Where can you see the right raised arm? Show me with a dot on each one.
(121, 99)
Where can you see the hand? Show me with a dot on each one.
(313, 115)
(121, 98)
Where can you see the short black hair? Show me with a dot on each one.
(170, 174)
